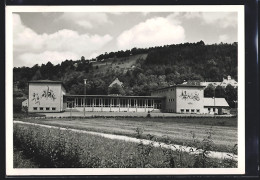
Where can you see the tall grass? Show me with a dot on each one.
(66, 149)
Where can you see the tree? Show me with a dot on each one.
(219, 92)
(231, 95)
(209, 91)
(82, 58)
(22, 84)
(37, 75)
(116, 89)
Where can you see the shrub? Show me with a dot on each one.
(50, 148)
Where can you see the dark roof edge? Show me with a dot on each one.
(45, 81)
(179, 85)
(48, 81)
(214, 106)
(73, 95)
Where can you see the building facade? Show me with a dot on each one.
(182, 98)
(50, 96)
(46, 96)
(113, 103)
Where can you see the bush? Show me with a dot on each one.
(51, 148)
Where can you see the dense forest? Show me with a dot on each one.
(163, 66)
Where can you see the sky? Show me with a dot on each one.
(39, 37)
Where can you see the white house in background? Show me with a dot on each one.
(215, 106)
(116, 81)
(230, 81)
(224, 83)
(24, 104)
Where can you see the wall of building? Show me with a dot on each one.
(45, 97)
(111, 109)
(189, 100)
(63, 92)
(211, 110)
(169, 105)
(111, 104)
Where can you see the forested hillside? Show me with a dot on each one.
(140, 70)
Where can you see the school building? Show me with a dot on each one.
(51, 96)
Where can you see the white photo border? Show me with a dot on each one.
(10, 171)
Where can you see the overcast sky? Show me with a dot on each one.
(55, 37)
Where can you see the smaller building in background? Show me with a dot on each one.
(116, 81)
(25, 105)
(216, 106)
(224, 83)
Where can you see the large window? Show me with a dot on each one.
(97, 102)
(106, 103)
(123, 102)
(132, 103)
(149, 103)
(89, 102)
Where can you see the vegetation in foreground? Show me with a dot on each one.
(57, 148)
(178, 130)
(20, 161)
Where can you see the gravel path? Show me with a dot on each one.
(191, 150)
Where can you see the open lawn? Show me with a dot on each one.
(178, 130)
(118, 63)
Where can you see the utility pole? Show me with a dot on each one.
(214, 100)
(85, 83)
(71, 111)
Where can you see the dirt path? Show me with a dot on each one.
(174, 147)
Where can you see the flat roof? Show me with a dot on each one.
(45, 81)
(179, 85)
(218, 102)
(115, 96)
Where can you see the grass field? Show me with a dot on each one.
(49, 148)
(180, 131)
(118, 63)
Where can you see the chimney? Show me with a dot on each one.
(229, 77)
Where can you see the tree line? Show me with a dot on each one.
(164, 66)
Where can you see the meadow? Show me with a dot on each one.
(180, 131)
(50, 148)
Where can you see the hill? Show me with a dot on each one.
(140, 70)
(118, 64)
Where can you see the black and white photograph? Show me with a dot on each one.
(101, 90)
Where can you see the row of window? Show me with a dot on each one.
(41, 108)
(100, 102)
(170, 100)
(164, 90)
(214, 109)
(190, 110)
